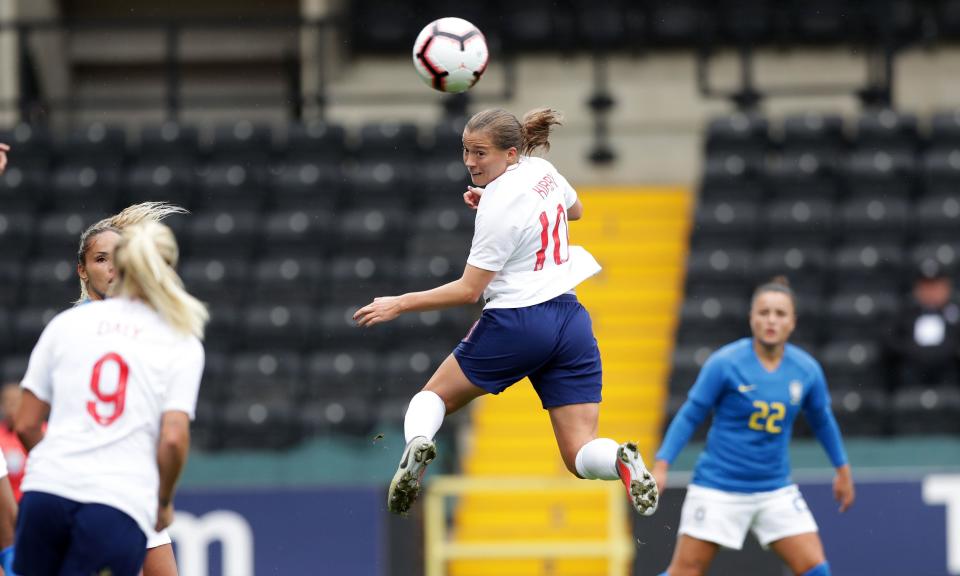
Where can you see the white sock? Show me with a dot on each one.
(597, 460)
(424, 415)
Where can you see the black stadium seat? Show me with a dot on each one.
(802, 176)
(805, 222)
(868, 266)
(719, 271)
(17, 230)
(243, 142)
(941, 170)
(98, 144)
(169, 143)
(945, 129)
(363, 232)
(218, 281)
(319, 142)
(732, 177)
(821, 135)
(933, 410)
(31, 146)
(84, 186)
(743, 134)
(170, 180)
(59, 232)
(853, 365)
(230, 185)
(874, 219)
(298, 233)
(726, 222)
(804, 266)
(937, 218)
(860, 315)
(224, 234)
(296, 281)
(889, 130)
(276, 324)
(306, 184)
(23, 189)
(881, 174)
(342, 373)
(52, 282)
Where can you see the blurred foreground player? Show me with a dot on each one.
(118, 380)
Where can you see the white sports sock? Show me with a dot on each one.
(424, 415)
(597, 460)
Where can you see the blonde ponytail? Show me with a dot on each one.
(134, 214)
(535, 127)
(145, 261)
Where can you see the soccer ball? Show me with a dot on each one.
(450, 54)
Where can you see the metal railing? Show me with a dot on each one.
(616, 547)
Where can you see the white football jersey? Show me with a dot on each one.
(521, 233)
(109, 370)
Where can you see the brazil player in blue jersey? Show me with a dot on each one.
(755, 387)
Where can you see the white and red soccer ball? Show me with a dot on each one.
(450, 54)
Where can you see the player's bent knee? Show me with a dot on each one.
(822, 569)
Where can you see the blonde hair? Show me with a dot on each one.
(145, 260)
(135, 214)
(506, 131)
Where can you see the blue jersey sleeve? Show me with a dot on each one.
(820, 416)
(702, 397)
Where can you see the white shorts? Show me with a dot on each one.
(725, 517)
(158, 539)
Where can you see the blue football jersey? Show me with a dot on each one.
(753, 414)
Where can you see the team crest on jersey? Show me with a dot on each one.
(796, 392)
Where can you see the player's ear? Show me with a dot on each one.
(512, 154)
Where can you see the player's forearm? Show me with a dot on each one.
(456, 293)
(171, 458)
(8, 513)
(30, 434)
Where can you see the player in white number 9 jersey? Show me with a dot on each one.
(532, 325)
(117, 381)
(97, 273)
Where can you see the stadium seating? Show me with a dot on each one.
(292, 231)
(847, 216)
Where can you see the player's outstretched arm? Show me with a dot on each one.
(4, 148)
(843, 490)
(465, 290)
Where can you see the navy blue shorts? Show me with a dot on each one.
(551, 343)
(61, 537)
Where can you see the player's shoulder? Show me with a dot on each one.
(803, 359)
(733, 352)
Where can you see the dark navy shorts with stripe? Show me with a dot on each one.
(552, 343)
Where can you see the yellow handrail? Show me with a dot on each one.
(617, 547)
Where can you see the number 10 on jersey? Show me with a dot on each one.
(561, 238)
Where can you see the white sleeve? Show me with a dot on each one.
(3, 466)
(158, 539)
(184, 380)
(495, 238)
(569, 194)
(40, 367)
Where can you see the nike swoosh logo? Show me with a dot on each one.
(744, 388)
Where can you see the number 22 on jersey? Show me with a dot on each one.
(767, 416)
(116, 398)
(560, 235)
